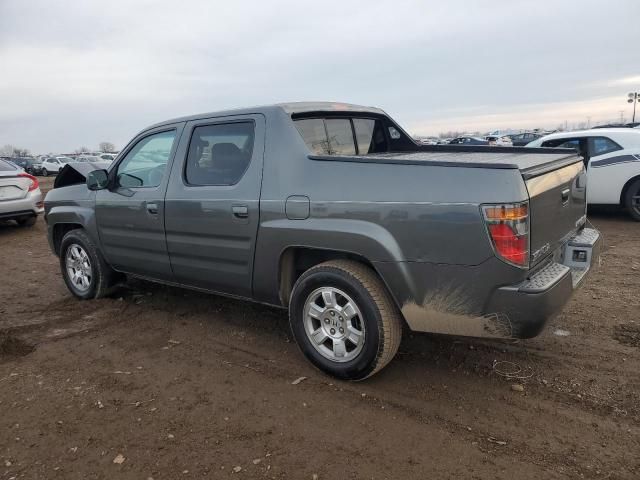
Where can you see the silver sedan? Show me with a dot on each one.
(20, 195)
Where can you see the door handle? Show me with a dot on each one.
(240, 211)
(565, 196)
(152, 208)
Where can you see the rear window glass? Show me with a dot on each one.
(340, 136)
(6, 166)
(335, 136)
(314, 135)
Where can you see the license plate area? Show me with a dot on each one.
(578, 253)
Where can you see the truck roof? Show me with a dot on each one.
(290, 108)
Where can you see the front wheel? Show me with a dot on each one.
(344, 319)
(44, 172)
(85, 272)
(632, 200)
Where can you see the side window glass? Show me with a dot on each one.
(563, 143)
(602, 145)
(146, 162)
(314, 135)
(340, 136)
(219, 154)
(570, 144)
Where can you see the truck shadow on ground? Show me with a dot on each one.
(424, 355)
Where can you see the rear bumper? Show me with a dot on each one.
(492, 299)
(528, 306)
(23, 207)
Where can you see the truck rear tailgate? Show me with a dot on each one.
(557, 206)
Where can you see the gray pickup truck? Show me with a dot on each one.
(333, 211)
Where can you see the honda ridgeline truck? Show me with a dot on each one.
(334, 212)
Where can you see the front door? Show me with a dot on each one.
(130, 214)
(212, 203)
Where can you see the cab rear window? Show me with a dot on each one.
(342, 136)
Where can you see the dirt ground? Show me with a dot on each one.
(176, 384)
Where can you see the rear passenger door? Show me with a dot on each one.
(212, 203)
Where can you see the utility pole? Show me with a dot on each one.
(621, 112)
(633, 97)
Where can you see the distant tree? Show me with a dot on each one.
(13, 151)
(81, 150)
(6, 150)
(107, 147)
(450, 134)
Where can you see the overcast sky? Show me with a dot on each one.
(75, 73)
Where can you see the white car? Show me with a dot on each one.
(499, 140)
(53, 165)
(612, 158)
(107, 157)
(20, 195)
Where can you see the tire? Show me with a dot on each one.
(376, 318)
(27, 221)
(101, 277)
(44, 172)
(633, 204)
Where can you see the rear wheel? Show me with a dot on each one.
(344, 319)
(85, 272)
(632, 200)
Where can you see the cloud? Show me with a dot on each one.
(631, 81)
(95, 70)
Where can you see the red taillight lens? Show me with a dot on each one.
(508, 245)
(508, 227)
(34, 181)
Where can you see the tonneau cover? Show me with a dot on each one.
(531, 162)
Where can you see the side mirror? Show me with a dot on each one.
(97, 180)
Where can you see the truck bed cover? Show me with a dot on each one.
(530, 161)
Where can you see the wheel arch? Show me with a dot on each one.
(58, 231)
(295, 260)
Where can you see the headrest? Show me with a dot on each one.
(226, 155)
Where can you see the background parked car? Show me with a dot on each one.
(521, 139)
(89, 158)
(32, 166)
(53, 165)
(20, 195)
(499, 140)
(612, 158)
(468, 141)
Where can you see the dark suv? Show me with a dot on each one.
(32, 166)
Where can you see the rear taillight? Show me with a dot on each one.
(34, 181)
(508, 227)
